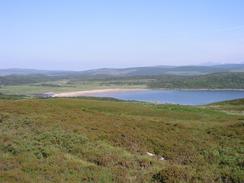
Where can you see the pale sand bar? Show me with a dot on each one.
(92, 92)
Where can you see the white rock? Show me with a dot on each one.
(150, 154)
(161, 158)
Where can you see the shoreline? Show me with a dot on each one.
(199, 89)
(95, 91)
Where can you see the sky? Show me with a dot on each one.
(88, 34)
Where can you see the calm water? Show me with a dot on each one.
(185, 97)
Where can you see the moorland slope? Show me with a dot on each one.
(96, 140)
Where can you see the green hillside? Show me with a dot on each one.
(209, 81)
(90, 140)
(234, 106)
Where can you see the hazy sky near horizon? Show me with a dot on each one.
(85, 34)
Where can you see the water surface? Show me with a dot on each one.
(184, 97)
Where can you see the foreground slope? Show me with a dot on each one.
(233, 106)
(91, 140)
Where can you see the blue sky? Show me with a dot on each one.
(85, 34)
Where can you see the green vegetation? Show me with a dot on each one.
(24, 79)
(11, 97)
(210, 81)
(90, 140)
(33, 89)
(234, 106)
(36, 84)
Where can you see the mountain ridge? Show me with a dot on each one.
(134, 71)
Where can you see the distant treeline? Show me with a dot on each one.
(38, 78)
(229, 80)
(210, 81)
(11, 97)
(25, 79)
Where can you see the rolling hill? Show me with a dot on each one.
(91, 140)
(134, 71)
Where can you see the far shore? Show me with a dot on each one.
(93, 92)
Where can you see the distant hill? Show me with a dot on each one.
(174, 70)
(227, 80)
(134, 71)
(17, 71)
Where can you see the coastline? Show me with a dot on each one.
(92, 92)
(111, 90)
(199, 89)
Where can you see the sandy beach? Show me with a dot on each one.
(92, 92)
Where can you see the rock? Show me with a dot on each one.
(161, 158)
(150, 154)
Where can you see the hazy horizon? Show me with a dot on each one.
(86, 69)
(79, 35)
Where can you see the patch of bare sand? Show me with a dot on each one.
(92, 92)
